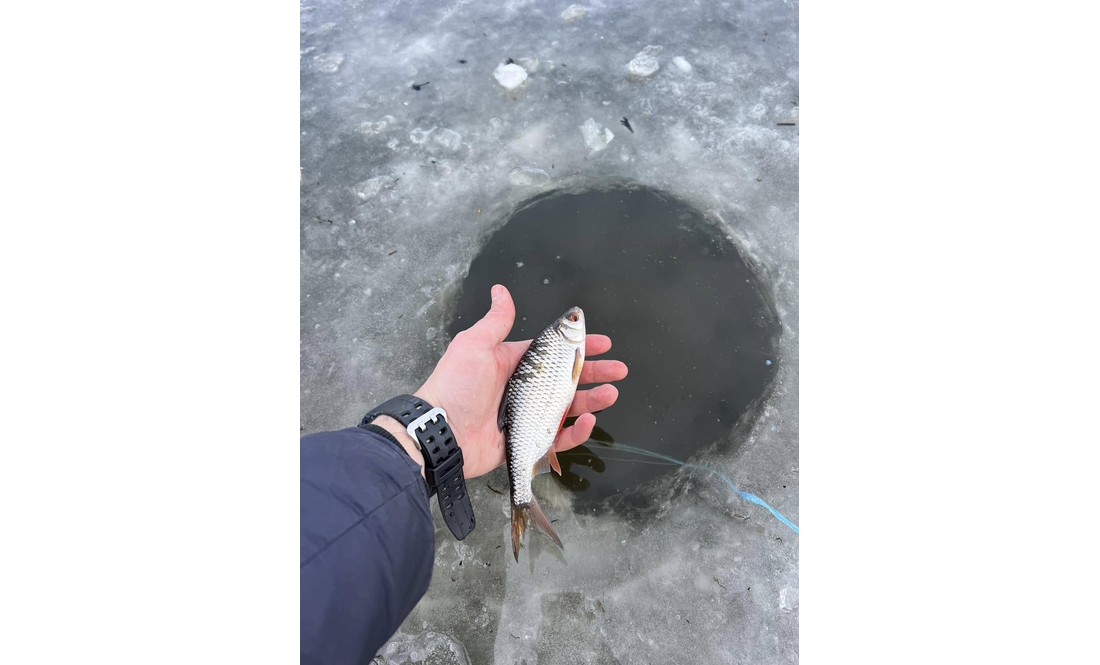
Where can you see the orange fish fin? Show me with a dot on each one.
(578, 362)
(552, 457)
(542, 523)
(545, 463)
(520, 515)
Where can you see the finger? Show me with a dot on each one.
(594, 345)
(496, 325)
(591, 401)
(575, 434)
(602, 371)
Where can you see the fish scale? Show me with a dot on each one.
(535, 402)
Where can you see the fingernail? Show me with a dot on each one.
(498, 291)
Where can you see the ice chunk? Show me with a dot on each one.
(526, 176)
(428, 646)
(376, 127)
(328, 62)
(682, 65)
(572, 13)
(368, 189)
(596, 136)
(510, 76)
(531, 65)
(645, 63)
(419, 135)
(788, 599)
(448, 138)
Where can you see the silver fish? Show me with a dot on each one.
(533, 409)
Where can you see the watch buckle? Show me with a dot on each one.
(421, 423)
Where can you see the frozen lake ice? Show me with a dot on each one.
(429, 173)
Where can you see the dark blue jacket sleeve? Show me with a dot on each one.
(368, 544)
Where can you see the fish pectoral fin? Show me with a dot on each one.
(578, 362)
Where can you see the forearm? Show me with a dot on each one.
(402, 435)
(367, 537)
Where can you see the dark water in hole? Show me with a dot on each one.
(682, 308)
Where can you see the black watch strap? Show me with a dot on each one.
(442, 457)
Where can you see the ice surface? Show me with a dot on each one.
(526, 176)
(511, 76)
(573, 12)
(645, 63)
(596, 136)
(428, 647)
(428, 175)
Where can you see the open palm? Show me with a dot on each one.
(468, 383)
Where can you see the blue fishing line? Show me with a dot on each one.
(751, 498)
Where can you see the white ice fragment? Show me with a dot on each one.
(368, 189)
(645, 63)
(596, 136)
(682, 65)
(573, 12)
(523, 176)
(328, 63)
(419, 135)
(376, 127)
(351, 221)
(448, 138)
(531, 65)
(510, 76)
(519, 264)
(788, 599)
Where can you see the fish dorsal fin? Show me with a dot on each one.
(501, 412)
(545, 463)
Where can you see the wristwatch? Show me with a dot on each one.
(428, 426)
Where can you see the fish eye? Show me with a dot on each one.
(573, 317)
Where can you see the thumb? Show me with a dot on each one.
(496, 325)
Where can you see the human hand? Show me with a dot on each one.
(468, 383)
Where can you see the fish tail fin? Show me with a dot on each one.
(544, 524)
(520, 515)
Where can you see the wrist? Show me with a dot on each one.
(402, 435)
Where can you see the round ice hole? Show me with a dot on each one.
(683, 309)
